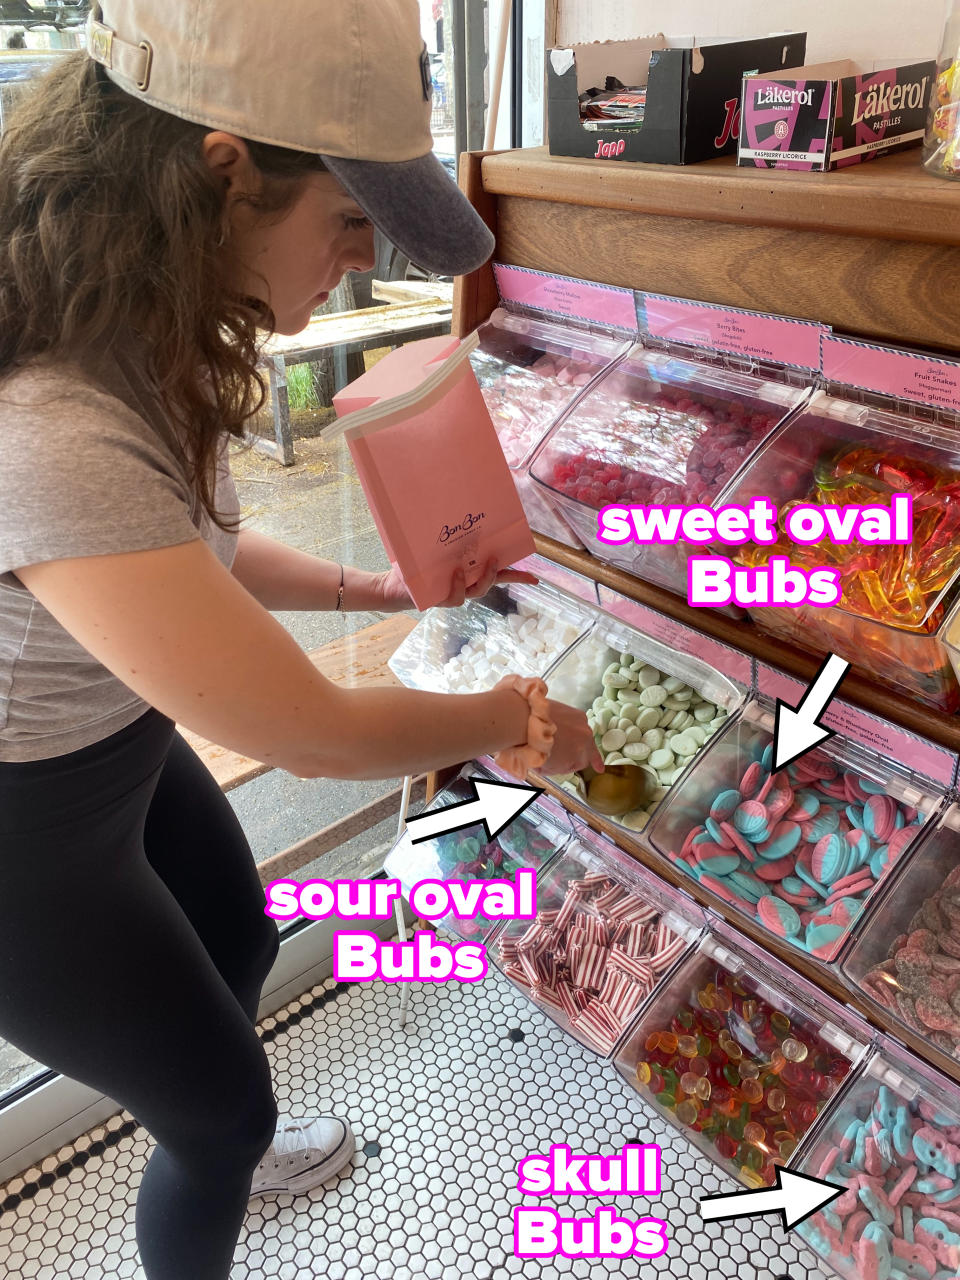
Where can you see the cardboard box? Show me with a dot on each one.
(836, 114)
(693, 94)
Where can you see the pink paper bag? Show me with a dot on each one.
(431, 466)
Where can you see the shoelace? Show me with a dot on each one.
(289, 1141)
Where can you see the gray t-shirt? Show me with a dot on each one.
(89, 465)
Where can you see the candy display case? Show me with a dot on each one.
(802, 850)
(741, 1056)
(529, 842)
(892, 614)
(892, 1142)
(650, 706)
(656, 430)
(530, 371)
(905, 957)
(513, 629)
(607, 933)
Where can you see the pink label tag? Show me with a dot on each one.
(729, 662)
(547, 571)
(904, 374)
(566, 297)
(743, 333)
(932, 761)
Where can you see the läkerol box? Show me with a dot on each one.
(832, 115)
(686, 94)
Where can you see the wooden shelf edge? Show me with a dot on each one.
(792, 957)
(858, 687)
(889, 198)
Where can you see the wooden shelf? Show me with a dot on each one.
(873, 250)
(858, 686)
(893, 198)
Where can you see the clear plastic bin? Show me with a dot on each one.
(515, 628)
(905, 957)
(891, 1141)
(890, 620)
(950, 635)
(671, 706)
(800, 851)
(656, 430)
(530, 841)
(530, 371)
(741, 1067)
(607, 933)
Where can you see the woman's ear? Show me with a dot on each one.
(228, 157)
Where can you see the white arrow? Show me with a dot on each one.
(795, 1196)
(496, 805)
(798, 730)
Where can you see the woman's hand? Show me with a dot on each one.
(395, 596)
(574, 747)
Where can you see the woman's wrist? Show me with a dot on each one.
(363, 593)
(534, 749)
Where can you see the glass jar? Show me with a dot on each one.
(941, 148)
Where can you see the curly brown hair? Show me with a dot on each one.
(111, 222)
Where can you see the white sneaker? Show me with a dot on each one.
(304, 1154)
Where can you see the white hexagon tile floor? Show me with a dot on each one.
(444, 1109)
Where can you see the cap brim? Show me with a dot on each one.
(420, 209)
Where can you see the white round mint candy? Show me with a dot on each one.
(705, 713)
(662, 759)
(648, 718)
(613, 740)
(648, 677)
(631, 697)
(636, 751)
(672, 684)
(634, 734)
(635, 820)
(654, 739)
(653, 695)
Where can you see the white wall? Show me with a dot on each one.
(874, 31)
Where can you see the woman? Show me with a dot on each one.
(198, 180)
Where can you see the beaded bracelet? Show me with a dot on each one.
(541, 731)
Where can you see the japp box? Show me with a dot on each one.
(835, 114)
(690, 91)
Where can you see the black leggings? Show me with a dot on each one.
(133, 947)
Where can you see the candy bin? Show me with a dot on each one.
(513, 629)
(940, 148)
(607, 933)
(651, 708)
(905, 957)
(890, 619)
(892, 1142)
(656, 430)
(739, 1066)
(529, 842)
(530, 371)
(799, 850)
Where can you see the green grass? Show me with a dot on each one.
(301, 388)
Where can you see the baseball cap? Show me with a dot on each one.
(349, 81)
